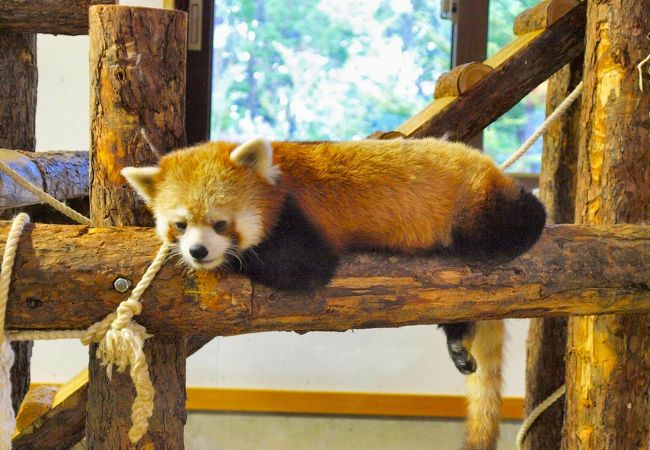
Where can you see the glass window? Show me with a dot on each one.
(503, 137)
(323, 69)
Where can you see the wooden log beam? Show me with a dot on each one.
(547, 336)
(64, 279)
(608, 357)
(62, 174)
(518, 70)
(137, 60)
(47, 16)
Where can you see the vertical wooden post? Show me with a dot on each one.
(545, 366)
(608, 359)
(18, 79)
(137, 66)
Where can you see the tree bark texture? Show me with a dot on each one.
(137, 65)
(545, 365)
(509, 82)
(64, 175)
(18, 80)
(47, 16)
(608, 359)
(137, 61)
(166, 359)
(64, 279)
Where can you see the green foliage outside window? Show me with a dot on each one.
(330, 70)
(504, 136)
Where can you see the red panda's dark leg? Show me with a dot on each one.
(458, 334)
(294, 257)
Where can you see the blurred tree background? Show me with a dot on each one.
(341, 69)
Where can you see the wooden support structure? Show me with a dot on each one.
(137, 60)
(608, 359)
(547, 337)
(572, 270)
(62, 174)
(62, 424)
(520, 67)
(461, 79)
(542, 15)
(47, 16)
(18, 78)
(138, 82)
(37, 402)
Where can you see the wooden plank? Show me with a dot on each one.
(47, 16)
(62, 174)
(137, 61)
(519, 68)
(572, 270)
(284, 401)
(339, 403)
(608, 357)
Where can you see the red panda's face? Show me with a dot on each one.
(212, 203)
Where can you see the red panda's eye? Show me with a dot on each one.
(180, 226)
(220, 226)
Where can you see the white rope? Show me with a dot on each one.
(121, 341)
(43, 196)
(539, 409)
(561, 109)
(640, 69)
(7, 416)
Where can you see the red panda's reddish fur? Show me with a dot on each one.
(401, 195)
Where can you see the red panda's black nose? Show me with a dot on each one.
(198, 252)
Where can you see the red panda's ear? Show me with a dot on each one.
(256, 154)
(142, 179)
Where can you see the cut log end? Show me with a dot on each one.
(542, 15)
(461, 79)
(36, 403)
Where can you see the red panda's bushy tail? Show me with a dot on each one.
(484, 386)
(504, 222)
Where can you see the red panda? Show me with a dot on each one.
(283, 212)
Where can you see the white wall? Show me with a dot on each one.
(410, 359)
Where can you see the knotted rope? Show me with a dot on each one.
(121, 340)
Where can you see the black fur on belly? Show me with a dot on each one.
(505, 226)
(294, 257)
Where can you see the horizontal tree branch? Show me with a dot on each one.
(63, 278)
(62, 174)
(47, 16)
